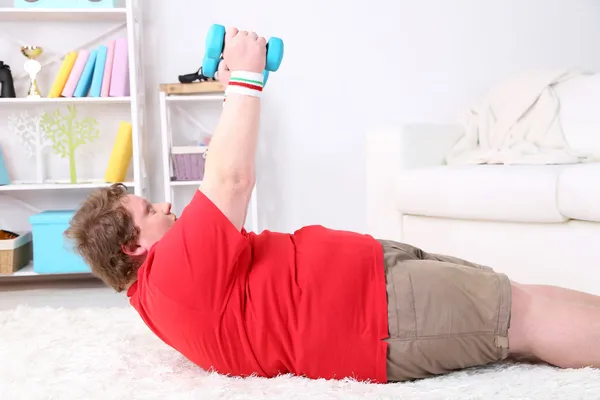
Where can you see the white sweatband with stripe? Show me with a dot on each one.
(245, 83)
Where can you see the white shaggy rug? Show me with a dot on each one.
(109, 354)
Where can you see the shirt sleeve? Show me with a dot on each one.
(198, 261)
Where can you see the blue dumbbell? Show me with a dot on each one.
(215, 42)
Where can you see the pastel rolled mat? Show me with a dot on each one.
(63, 75)
(108, 67)
(121, 154)
(76, 72)
(119, 81)
(85, 81)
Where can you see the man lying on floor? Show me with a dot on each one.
(318, 303)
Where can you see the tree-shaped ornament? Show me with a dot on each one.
(67, 133)
(27, 129)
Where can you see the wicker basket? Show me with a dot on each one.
(16, 251)
(188, 162)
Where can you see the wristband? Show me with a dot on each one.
(245, 83)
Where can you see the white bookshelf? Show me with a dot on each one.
(198, 98)
(25, 195)
(62, 100)
(184, 183)
(180, 192)
(8, 14)
(54, 186)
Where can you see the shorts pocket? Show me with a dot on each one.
(401, 304)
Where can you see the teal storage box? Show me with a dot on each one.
(52, 253)
(64, 3)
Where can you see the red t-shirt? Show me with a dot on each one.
(312, 303)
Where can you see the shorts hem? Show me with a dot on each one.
(504, 313)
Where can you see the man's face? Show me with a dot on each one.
(153, 221)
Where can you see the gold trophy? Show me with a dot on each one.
(33, 68)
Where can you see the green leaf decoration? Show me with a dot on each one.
(67, 133)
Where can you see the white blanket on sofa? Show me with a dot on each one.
(518, 123)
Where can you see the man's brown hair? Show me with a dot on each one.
(99, 229)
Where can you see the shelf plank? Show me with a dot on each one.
(56, 186)
(25, 271)
(186, 183)
(191, 88)
(27, 274)
(11, 14)
(195, 97)
(65, 100)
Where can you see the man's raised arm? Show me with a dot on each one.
(229, 176)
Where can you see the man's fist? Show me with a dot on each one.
(244, 51)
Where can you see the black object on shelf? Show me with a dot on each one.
(6, 81)
(194, 76)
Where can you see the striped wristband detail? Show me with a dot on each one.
(250, 80)
(245, 83)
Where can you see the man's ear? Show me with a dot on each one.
(133, 250)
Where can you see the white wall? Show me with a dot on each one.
(352, 65)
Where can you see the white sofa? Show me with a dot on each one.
(537, 223)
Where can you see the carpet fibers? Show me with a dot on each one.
(98, 353)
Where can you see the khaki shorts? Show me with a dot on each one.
(444, 313)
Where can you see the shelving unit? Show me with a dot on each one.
(193, 98)
(126, 20)
(185, 183)
(25, 186)
(27, 274)
(172, 95)
(63, 100)
(9, 14)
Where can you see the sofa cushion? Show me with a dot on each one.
(579, 192)
(579, 116)
(515, 193)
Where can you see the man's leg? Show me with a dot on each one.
(434, 300)
(559, 332)
(553, 292)
(442, 316)
(561, 326)
(562, 294)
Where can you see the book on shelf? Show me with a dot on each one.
(85, 80)
(99, 72)
(64, 73)
(96, 88)
(119, 83)
(73, 80)
(110, 56)
(120, 157)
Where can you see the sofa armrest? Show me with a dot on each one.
(388, 152)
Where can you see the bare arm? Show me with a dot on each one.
(230, 172)
(230, 163)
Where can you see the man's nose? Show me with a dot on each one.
(165, 208)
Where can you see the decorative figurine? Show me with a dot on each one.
(33, 68)
(67, 133)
